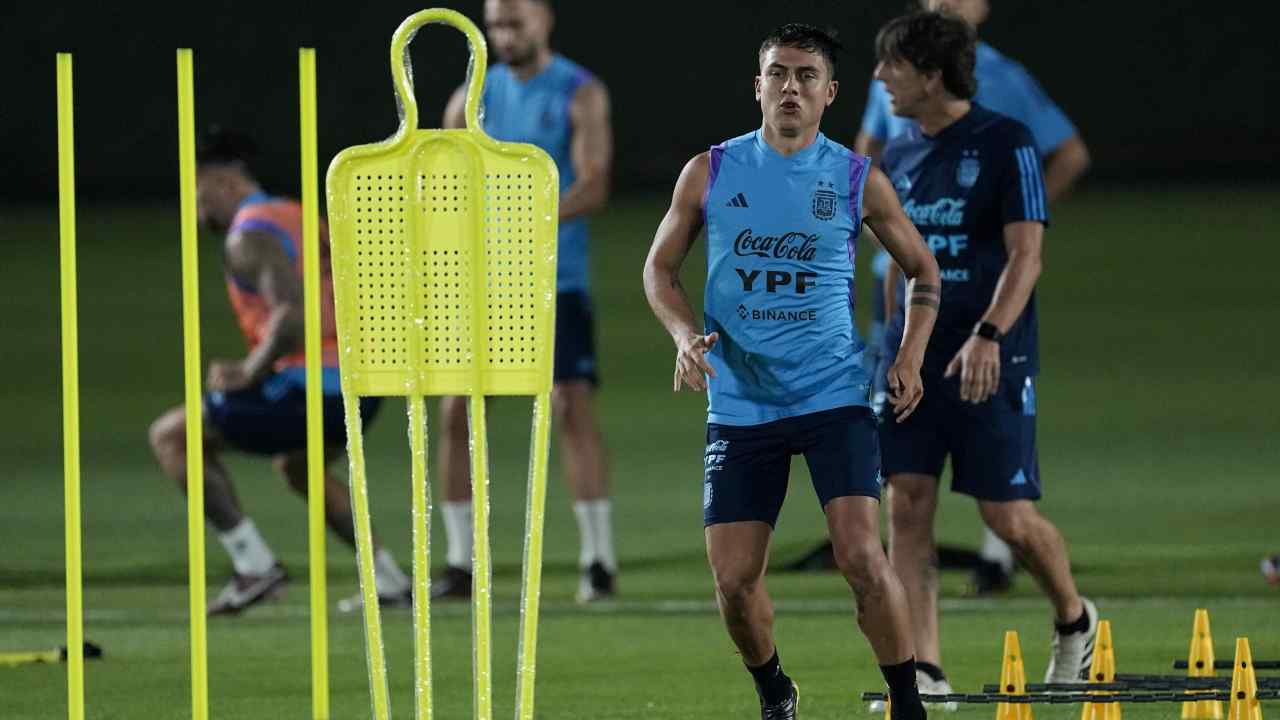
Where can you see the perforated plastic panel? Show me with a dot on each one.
(416, 314)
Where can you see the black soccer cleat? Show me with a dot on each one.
(596, 583)
(785, 710)
(990, 578)
(453, 584)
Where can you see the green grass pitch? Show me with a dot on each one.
(1158, 423)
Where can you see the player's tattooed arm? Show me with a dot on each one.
(671, 244)
(257, 261)
(590, 151)
(924, 294)
(884, 215)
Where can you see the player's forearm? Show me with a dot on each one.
(1064, 167)
(924, 294)
(284, 335)
(586, 195)
(1013, 290)
(669, 301)
(891, 290)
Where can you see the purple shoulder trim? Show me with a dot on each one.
(859, 167)
(717, 152)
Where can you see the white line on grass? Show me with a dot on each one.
(293, 611)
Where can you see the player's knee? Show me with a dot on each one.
(909, 514)
(567, 411)
(166, 438)
(294, 469)
(735, 585)
(862, 563)
(453, 417)
(911, 501)
(1009, 523)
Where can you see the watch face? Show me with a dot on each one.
(987, 330)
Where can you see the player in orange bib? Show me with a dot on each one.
(257, 404)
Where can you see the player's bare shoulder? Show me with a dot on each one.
(591, 97)
(691, 187)
(248, 252)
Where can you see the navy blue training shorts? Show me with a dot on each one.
(992, 445)
(575, 353)
(746, 468)
(270, 418)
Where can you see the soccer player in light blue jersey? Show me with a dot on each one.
(780, 359)
(1006, 87)
(537, 96)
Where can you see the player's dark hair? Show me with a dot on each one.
(804, 37)
(219, 146)
(933, 41)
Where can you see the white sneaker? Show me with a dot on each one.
(1271, 569)
(1072, 654)
(927, 686)
(397, 601)
(244, 591)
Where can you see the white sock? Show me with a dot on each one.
(249, 552)
(586, 533)
(458, 524)
(387, 575)
(996, 550)
(596, 531)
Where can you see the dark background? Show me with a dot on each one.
(1166, 91)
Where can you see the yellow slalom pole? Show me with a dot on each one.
(191, 371)
(421, 557)
(315, 403)
(70, 390)
(539, 454)
(482, 602)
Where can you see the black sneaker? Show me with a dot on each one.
(990, 578)
(453, 584)
(785, 710)
(596, 583)
(244, 591)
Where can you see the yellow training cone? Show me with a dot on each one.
(1200, 665)
(1013, 680)
(1244, 703)
(1102, 670)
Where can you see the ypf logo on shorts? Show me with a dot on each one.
(713, 459)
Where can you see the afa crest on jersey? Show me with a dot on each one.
(967, 172)
(824, 201)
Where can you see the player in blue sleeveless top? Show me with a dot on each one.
(780, 357)
(536, 96)
(1006, 87)
(970, 180)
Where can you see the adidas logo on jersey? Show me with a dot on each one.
(738, 200)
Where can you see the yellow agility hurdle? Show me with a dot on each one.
(444, 258)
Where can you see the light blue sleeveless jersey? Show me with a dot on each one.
(537, 112)
(780, 258)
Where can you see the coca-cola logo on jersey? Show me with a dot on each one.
(791, 246)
